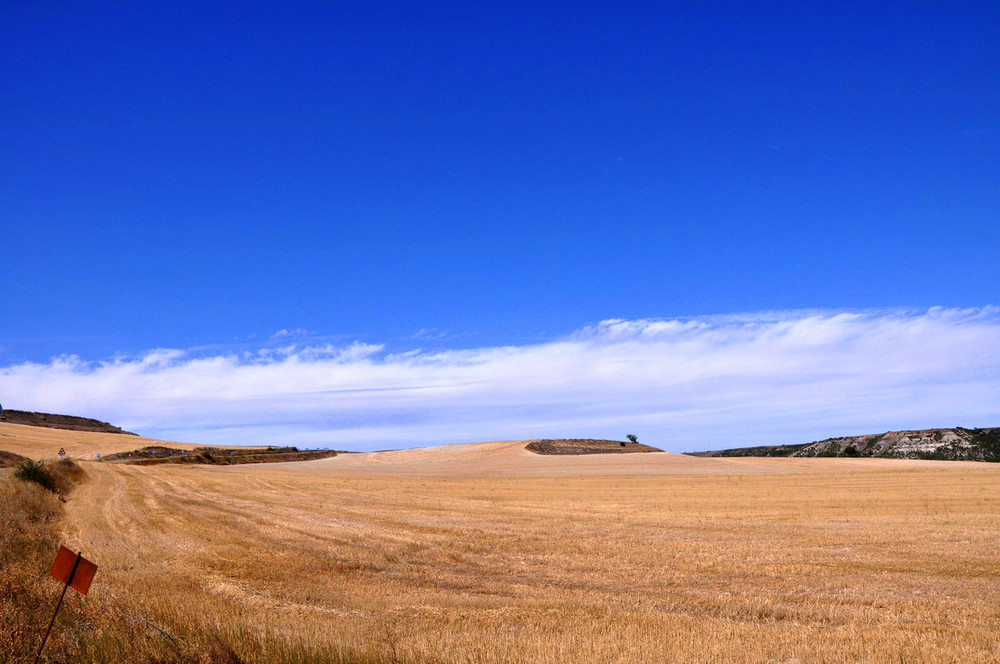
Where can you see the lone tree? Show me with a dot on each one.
(632, 438)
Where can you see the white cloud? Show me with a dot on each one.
(284, 333)
(682, 384)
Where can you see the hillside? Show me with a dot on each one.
(587, 446)
(39, 442)
(958, 444)
(52, 421)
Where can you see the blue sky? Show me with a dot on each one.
(433, 178)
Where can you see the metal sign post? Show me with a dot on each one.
(75, 572)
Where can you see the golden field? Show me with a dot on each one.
(488, 553)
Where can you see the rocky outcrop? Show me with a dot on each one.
(958, 444)
(587, 446)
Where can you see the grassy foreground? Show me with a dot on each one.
(112, 629)
(425, 557)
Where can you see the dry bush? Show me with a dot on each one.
(28, 542)
(68, 473)
(56, 476)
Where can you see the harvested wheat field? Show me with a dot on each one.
(39, 442)
(489, 553)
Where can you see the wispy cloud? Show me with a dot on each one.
(682, 384)
(285, 333)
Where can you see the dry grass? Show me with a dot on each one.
(28, 540)
(488, 553)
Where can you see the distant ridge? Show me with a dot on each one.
(52, 421)
(957, 444)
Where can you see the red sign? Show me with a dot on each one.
(74, 570)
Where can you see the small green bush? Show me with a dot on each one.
(632, 438)
(35, 471)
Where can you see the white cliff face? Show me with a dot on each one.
(905, 442)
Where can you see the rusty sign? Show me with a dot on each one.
(74, 570)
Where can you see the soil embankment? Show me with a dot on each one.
(216, 456)
(10, 459)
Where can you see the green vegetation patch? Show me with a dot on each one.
(759, 451)
(989, 441)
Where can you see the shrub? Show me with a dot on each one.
(851, 451)
(632, 438)
(66, 473)
(35, 471)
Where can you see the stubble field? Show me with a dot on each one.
(488, 553)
